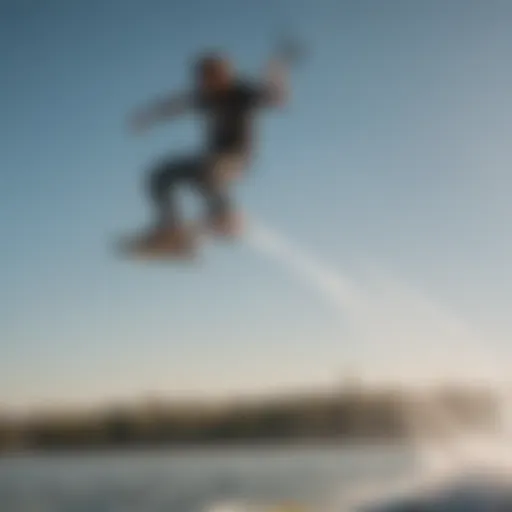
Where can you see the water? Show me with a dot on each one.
(188, 481)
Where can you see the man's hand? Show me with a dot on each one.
(167, 108)
(289, 52)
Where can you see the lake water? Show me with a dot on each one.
(181, 481)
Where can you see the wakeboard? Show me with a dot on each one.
(142, 246)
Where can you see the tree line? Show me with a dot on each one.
(350, 414)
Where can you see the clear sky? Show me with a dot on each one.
(392, 164)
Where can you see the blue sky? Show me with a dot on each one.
(391, 166)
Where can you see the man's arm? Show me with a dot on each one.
(276, 79)
(276, 82)
(163, 109)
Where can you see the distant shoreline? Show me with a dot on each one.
(210, 449)
(349, 417)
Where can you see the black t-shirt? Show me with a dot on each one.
(230, 115)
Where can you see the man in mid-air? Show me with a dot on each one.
(228, 104)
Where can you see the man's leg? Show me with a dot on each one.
(214, 180)
(164, 181)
